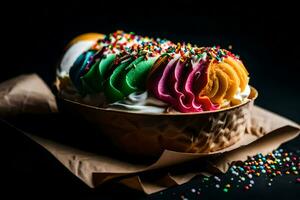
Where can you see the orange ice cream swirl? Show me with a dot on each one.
(225, 79)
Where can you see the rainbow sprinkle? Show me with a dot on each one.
(122, 43)
(243, 175)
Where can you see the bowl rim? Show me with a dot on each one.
(251, 99)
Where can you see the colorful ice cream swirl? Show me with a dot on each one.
(179, 83)
(187, 78)
(226, 78)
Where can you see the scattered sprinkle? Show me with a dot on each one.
(243, 175)
(269, 184)
(225, 190)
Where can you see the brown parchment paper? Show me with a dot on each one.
(26, 93)
(174, 168)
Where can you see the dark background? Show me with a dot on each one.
(265, 37)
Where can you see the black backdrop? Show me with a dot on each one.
(265, 37)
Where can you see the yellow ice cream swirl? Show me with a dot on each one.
(226, 77)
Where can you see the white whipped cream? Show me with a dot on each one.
(139, 102)
(72, 54)
(242, 96)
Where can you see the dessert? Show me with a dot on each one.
(132, 72)
(148, 95)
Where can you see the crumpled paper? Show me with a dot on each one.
(26, 94)
(170, 169)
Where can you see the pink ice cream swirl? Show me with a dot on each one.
(179, 84)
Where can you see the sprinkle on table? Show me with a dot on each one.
(243, 175)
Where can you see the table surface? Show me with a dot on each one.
(32, 171)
